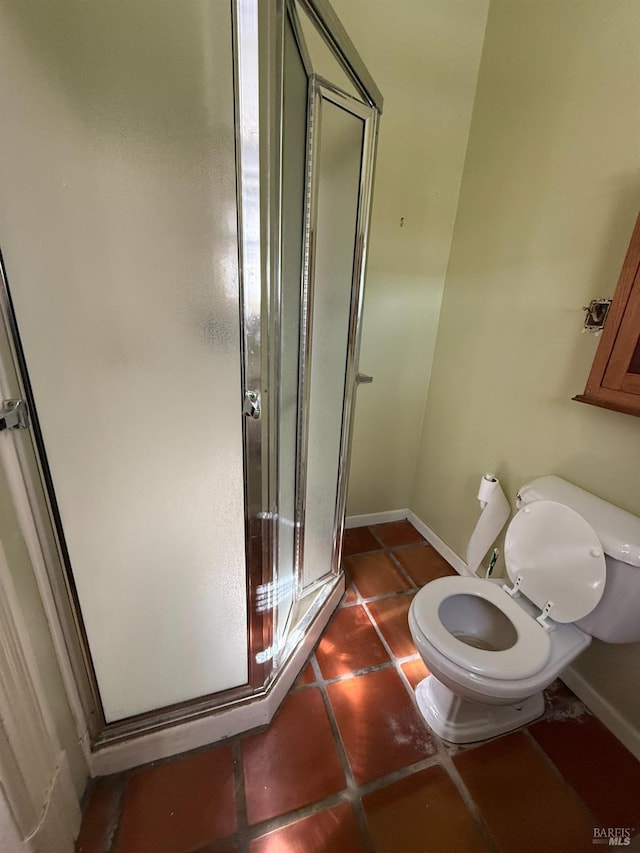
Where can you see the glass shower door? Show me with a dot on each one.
(118, 220)
(328, 148)
(333, 294)
(294, 152)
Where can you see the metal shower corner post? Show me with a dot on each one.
(255, 261)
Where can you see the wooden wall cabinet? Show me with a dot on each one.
(614, 381)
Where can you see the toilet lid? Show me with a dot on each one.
(559, 558)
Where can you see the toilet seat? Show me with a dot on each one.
(525, 658)
(554, 559)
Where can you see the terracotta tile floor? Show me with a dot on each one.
(348, 766)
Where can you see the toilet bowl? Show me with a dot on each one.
(492, 649)
(476, 703)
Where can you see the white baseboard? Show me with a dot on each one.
(440, 545)
(375, 518)
(603, 710)
(205, 730)
(400, 515)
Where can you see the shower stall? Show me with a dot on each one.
(183, 222)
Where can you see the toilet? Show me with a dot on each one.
(573, 562)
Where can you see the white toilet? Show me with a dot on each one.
(574, 564)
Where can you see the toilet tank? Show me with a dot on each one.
(616, 618)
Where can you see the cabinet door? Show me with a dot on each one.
(614, 380)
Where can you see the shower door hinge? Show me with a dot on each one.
(251, 405)
(13, 415)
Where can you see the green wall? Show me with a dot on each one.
(424, 56)
(549, 196)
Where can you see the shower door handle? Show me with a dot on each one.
(13, 415)
(363, 379)
(251, 405)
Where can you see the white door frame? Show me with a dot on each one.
(39, 795)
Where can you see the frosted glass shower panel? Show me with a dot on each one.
(339, 160)
(294, 141)
(119, 166)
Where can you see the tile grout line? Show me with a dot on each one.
(558, 773)
(398, 667)
(441, 755)
(361, 819)
(540, 749)
(353, 791)
(245, 833)
(315, 666)
(383, 596)
(242, 823)
(396, 562)
(346, 795)
(395, 661)
(475, 812)
(262, 828)
(273, 824)
(387, 552)
(397, 775)
(408, 685)
(366, 670)
(387, 549)
(115, 824)
(372, 529)
(358, 595)
(407, 546)
(381, 637)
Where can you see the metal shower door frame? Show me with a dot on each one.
(322, 90)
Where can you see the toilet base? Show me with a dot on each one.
(459, 721)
